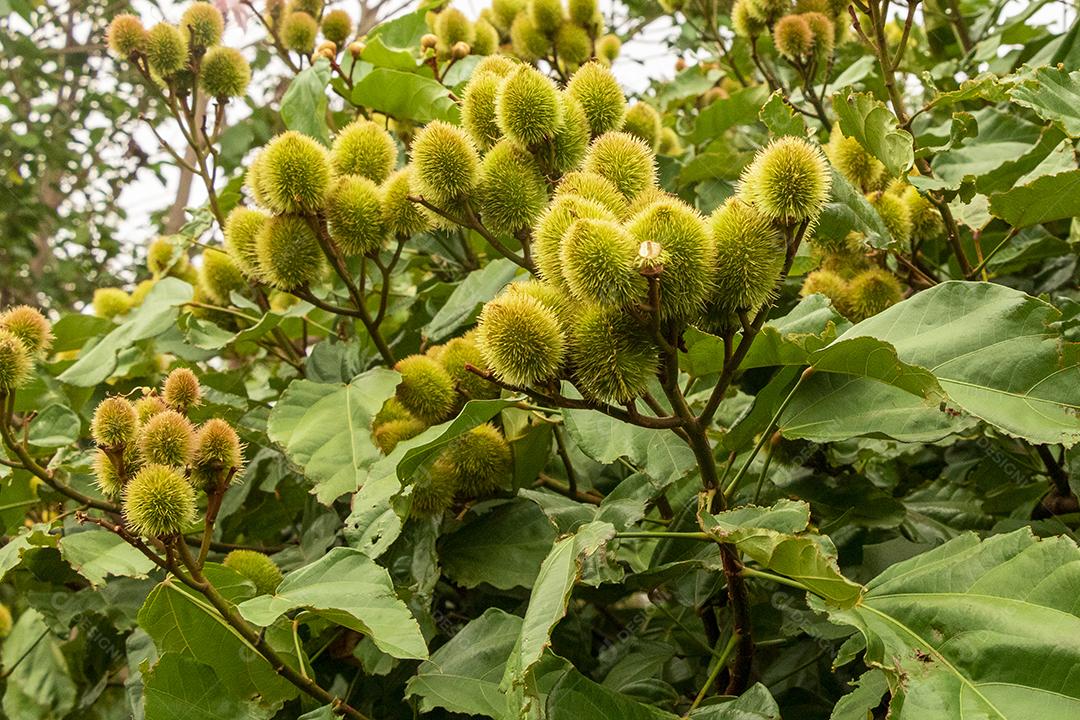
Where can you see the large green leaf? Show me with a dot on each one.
(96, 553)
(11, 553)
(346, 587)
(179, 688)
(741, 108)
(303, 107)
(1048, 197)
(754, 704)
(54, 427)
(1054, 94)
(405, 95)
(38, 680)
(978, 629)
(658, 453)
(576, 696)
(848, 211)
(866, 119)
(326, 429)
(463, 305)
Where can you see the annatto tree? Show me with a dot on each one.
(478, 390)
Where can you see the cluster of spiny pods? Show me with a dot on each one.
(802, 32)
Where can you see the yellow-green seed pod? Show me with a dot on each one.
(571, 139)
(511, 192)
(862, 169)
(148, 406)
(527, 41)
(745, 21)
(126, 36)
(829, 284)
(218, 456)
(460, 352)
(520, 339)
(354, 216)
(793, 38)
(242, 226)
(872, 291)
(167, 438)
(527, 106)
(202, 25)
(926, 222)
(114, 423)
(364, 148)
(181, 390)
(504, 11)
(445, 163)
(583, 12)
(289, 253)
(552, 225)
(165, 257)
(895, 214)
(788, 180)
(613, 357)
(642, 121)
(481, 460)
(138, 295)
(253, 180)
(600, 96)
(595, 187)
(107, 480)
(426, 389)
(387, 435)
(750, 256)
(337, 26)
(166, 50)
(220, 276)
(573, 45)
(6, 621)
(401, 216)
(669, 144)
(30, 326)
(823, 32)
(452, 26)
(487, 38)
(158, 501)
(294, 171)
(608, 48)
(644, 199)
(550, 296)
(224, 72)
(478, 109)
(298, 31)
(263, 573)
(433, 490)
(600, 264)
(624, 160)
(391, 410)
(498, 65)
(770, 10)
(111, 302)
(314, 8)
(687, 253)
(546, 15)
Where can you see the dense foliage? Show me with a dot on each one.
(477, 389)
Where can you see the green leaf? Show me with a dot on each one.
(864, 356)
(860, 702)
(178, 688)
(848, 210)
(27, 538)
(741, 108)
(977, 629)
(54, 427)
(780, 118)
(464, 304)
(867, 120)
(326, 429)
(96, 553)
(1054, 95)
(40, 685)
(755, 704)
(1048, 197)
(346, 587)
(576, 697)
(405, 96)
(381, 55)
(303, 107)
(658, 453)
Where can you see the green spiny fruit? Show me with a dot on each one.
(224, 72)
(829, 284)
(480, 459)
(511, 191)
(687, 253)
(289, 253)
(552, 225)
(600, 96)
(478, 109)
(401, 216)
(298, 31)
(770, 10)
(167, 438)
(896, 215)
(872, 291)
(138, 295)
(114, 423)
(426, 389)
(745, 21)
(608, 48)
(669, 143)
(263, 573)
(862, 169)
(433, 490)
(612, 356)
(644, 199)
(337, 26)
(642, 121)
(445, 163)
(354, 216)
(595, 187)
(181, 390)
(111, 302)
(460, 352)
(571, 138)
(30, 326)
(452, 26)
(527, 106)
(793, 38)
(548, 295)
(366, 149)
(202, 25)
(148, 406)
(546, 15)
(926, 222)
(218, 455)
(527, 41)
(499, 65)
(583, 12)
(165, 257)
(220, 276)
(313, 8)
(242, 227)
(294, 170)
(823, 32)
(788, 180)
(126, 36)
(253, 180)
(166, 50)
(573, 45)
(504, 11)
(392, 409)
(107, 480)
(520, 339)
(487, 38)
(390, 433)
(624, 160)
(750, 256)
(158, 501)
(600, 264)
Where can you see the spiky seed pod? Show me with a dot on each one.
(298, 31)
(487, 38)
(445, 163)
(595, 187)
(337, 26)
(354, 216)
(688, 254)
(669, 143)
(158, 501)
(224, 72)
(895, 214)
(608, 48)
(503, 12)
(511, 191)
(613, 357)
(452, 26)
(391, 410)
(745, 21)
(181, 390)
(202, 25)
(289, 253)
(478, 109)
(498, 65)
(583, 12)
(527, 106)
(520, 339)
(624, 160)
(793, 38)
(126, 36)
(263, 572)
(527, 41)
(220, 276)
(600, 96)
(167, 438)
(571, 138)
(770, 10)
(401, 216)
(313, 8)
(6, 621)
(823, 32)
(642, 121)
(148, 406)
(805, 6)
(872, 291)
(166, 50)
(107, 480)
(573, 45)
(387, 435)
(242, 226)
(114, 422)
(750, 256)
(111, 302)
(788, 180)
(295, 173)
(862, 169)
(433, 490)
(455, 355)
(30, 326)
(253, 180)
(552, 225)
(164, 257)
(926, 222)
(364, 148)
(829, 284)
(554, 298)
(546, 15)
(138, 295)
(600, 264)
(644, 199)
(481, 460)
(426, 389)
(218, 453)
